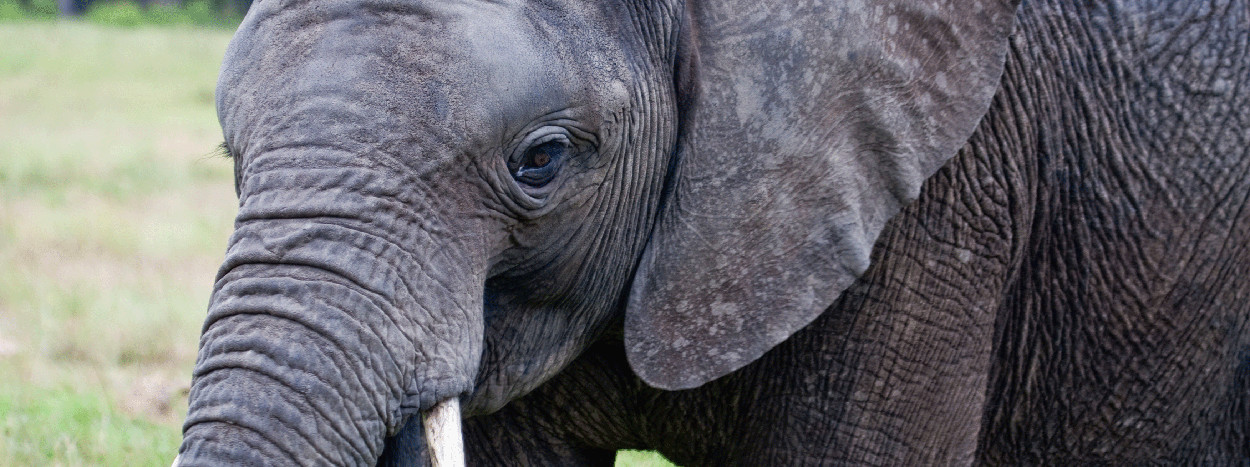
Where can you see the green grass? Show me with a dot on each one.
(641, 459)
(69, 426)
(114, 213)
(128, 14)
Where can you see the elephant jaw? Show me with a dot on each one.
(443, 435)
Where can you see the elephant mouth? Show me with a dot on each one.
(443, 435)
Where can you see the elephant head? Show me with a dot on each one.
(448, 201)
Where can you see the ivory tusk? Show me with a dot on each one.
(443, 435)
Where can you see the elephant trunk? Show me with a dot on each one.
(333, 319)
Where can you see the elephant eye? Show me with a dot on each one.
(540, 163)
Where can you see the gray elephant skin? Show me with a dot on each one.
(735, 232)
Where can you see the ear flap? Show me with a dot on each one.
(814, 123)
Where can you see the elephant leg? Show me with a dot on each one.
(508, 437)
(582, 416)
(513, 437)
(406, 448)
(577, 418)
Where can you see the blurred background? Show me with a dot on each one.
(115, 208)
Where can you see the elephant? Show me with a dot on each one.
(734, 232)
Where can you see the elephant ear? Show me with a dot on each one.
(805, 126)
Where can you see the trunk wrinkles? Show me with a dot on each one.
(339, 311)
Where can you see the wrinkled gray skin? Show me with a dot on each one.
(782, 234)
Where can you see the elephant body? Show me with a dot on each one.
(871, 232)
(1060, 293)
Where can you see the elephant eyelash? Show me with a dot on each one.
(223, 150)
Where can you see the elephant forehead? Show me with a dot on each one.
(511, 62)
(513, 73)
(471, 71)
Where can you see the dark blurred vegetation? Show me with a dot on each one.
(130, 13)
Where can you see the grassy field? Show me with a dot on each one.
(114, 213)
